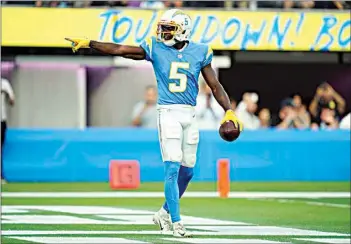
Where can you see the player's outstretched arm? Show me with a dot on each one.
(131, 52)
(220, 95)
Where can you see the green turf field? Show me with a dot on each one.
(318, 213)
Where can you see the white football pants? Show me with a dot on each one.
(178, 133)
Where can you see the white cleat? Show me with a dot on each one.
(180, 231)
(162, 219)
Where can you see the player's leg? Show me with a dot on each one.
(189, 148)
(171, 145)
(184, 177)
(170, 135)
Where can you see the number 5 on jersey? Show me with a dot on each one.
(175, 75)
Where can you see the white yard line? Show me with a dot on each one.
(326, 240)
(323, 204)
(326, 204)
(76, 240)
(131, 194)
(208, 230)
(222, 240)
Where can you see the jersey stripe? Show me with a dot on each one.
(149, 43)
(209, 52)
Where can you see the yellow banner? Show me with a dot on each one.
(226, 30)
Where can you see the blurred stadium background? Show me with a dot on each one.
(80, 155)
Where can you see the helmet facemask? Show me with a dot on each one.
(167, 33)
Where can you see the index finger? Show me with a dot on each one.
(68, 39)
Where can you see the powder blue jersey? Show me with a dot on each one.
(177, 71)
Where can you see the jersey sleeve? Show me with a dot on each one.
(208, 56)
(147, 46)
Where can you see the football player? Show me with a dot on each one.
(177, 63)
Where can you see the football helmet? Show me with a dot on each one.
(174, 26)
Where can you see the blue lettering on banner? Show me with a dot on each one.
(252, 35)
(210, 19)
(347, 41)
(117, 24)
(280, 35)
(328, 23)
(299, 23)
(273, 31)
(195, 26)
(148, 29)
(236, 24)
(107, 15)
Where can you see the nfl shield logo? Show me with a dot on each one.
(180, 55)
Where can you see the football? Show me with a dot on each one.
(228, 131)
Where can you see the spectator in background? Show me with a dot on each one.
(208, 112)
(286, 115)
(133, 4)
(81, 4)
(328, 120)
(245, 98)
(345, 123)
(265, 118)
(41, 4)
(292, 115)
(303, 119)
(246, 111)
(326, 97)
(270, 4)
(330, 5)
(241, 4)
(297, 100)
(7, 94)
(53, 4)
(152, 4)
(298, 4)
(144, 113)
(117, 3)
(173, 4)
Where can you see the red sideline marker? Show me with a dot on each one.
(124, 174)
